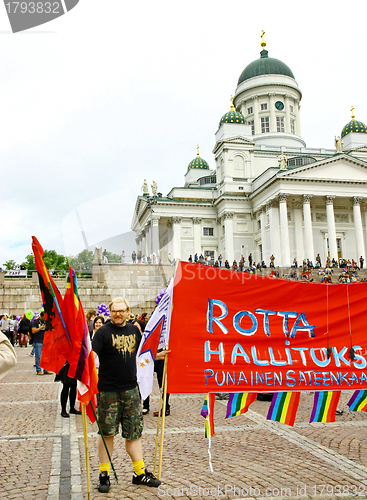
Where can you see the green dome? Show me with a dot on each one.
(198, 163)
(265, 66)
(354, 126)
(232, 116)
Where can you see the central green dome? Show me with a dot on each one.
(265, 66)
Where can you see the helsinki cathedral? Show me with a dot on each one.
(267, 194)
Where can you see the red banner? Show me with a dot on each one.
(239, 332)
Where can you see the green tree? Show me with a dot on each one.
(84, 258)
(10, 264)
(29, 262)
(113, 257)
(52, 260)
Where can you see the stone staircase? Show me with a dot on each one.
(138, 283)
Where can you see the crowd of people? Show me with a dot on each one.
(304, 272)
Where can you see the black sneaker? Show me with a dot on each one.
(146, 479)
(104, 482)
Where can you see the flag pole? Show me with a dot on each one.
(164, 391)
(158, 421)
(104, 442)
(85, 432)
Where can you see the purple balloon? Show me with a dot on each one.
(17, 317)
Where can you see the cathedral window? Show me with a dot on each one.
(208, 231)
(293, 128)
(264, 107)
(265, 124)
(252, 123)
(280, 123)
(249, 110)
(291, 108)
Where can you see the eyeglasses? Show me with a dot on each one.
(122, 311)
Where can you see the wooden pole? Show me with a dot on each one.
(85, 432)
(164, 391)
(158, 427)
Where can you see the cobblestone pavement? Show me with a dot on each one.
(43, 457)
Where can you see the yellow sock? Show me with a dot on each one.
(104, 467)
(139, 467)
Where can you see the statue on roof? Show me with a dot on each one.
(282, 160)
(338, 144)
(145, 187)
(154, 188)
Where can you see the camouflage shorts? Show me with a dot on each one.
(115, 408)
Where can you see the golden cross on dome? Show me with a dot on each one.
(263, 43)
(232, 106)
(353, 116)
(197, 154)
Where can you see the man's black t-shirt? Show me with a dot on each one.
(38, 337)
(116, 348)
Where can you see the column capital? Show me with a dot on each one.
(283, 197)
(297, 205)
(272, 204)
(169, 223)
(306, 198)
(155, 220)
(196, 220)
(176, 220)
(356, 200)
(228, 215)
(330, 199)
(142, 233)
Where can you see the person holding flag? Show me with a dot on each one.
(116, 344)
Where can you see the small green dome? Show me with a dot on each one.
(198, 162)
(232, 116)
(354, 126)
(265, 66)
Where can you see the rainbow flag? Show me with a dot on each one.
(82, 365)
(56, 343)
(239, 403)
(358, 401)
(284, 407)
(207, 412)
(324, 406)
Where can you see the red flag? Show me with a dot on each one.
(82, 365)
(56, 342)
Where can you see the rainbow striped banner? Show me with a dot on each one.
(358, 401)
(207, 412)
(324, 406)
(239, 403)
(284, 407)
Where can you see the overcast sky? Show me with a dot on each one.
(114, 92)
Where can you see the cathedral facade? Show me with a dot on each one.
(269, 194)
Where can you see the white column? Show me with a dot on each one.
(256, 115)
(147, 240)
(155, 236)
(197, 234)
(143, 243)
(285, 260)
(273, 125)
(298, 122)
(287, 118)
(274, 232)
(264, 242)
(298, 233)
(176, 239)
(228, 228)
(310, 254)
(333, 249)
(358, 228)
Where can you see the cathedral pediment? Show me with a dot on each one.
(341, 168)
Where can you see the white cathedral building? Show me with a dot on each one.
(269, 193)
